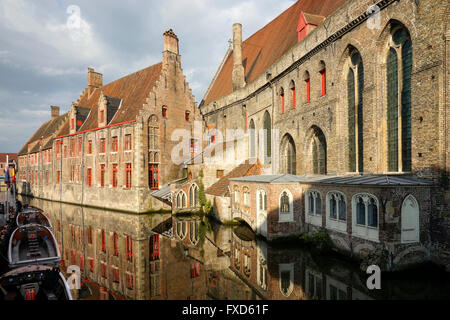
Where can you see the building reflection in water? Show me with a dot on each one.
(160, 256)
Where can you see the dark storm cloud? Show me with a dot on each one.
(44, 59)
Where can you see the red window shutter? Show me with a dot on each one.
(103, 240)
(89, 176)
(308, 90)
(293, 97)
(90, 234)
(128, 176)
(324, 81)
(102, 175)
(282, 103)
(114, 176)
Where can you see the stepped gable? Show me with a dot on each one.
(132, 89)
(268, 44)
(220, 188)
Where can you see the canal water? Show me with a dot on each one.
(159, 256)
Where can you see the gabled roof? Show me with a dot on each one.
(132, 90)
(12, 156)
(220, 188)
(45, 131)
(365, 179)
(268, 44)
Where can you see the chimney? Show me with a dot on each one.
(54, 112)
(170, 41)
(238, 76)
(95, 80)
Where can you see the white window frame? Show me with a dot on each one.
(331, 223)
(365, 232)
(313, 218)
(286, 217)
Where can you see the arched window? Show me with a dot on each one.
(323, 77)
(313, 207)
(262, 200)
(286, 212)
(286, 276)
(267, 137)
(288, 155)
(282, 100)
(181, 200)
(365, 216)
(318, 151)
(307, 79)
(399, 105)
(193, 196)
(153, 154)
(236, 195)
(336, 211)
(252, 133)
(292, 88)
(246, 193)
(355, 87)
(164, 112)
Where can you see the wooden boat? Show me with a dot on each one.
(32, 216)
(34, 282)
(32, 244)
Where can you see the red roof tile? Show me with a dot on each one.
(268, 44)
(220, 188)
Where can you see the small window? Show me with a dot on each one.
(114, 176)
(115, 241)
(187, 116)
(90, 147)
(307, 86)
(114, 145)
(102, 145)
(102, 116)
(128, 176)
(219, 173)
(129, 246)
(282, 100)
(128, 142)
(164, 112)
(323, 76)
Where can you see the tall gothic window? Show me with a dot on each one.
(355, 87)
(267, 137)
(399, 67)
(153, 152)
(193, 196)
(284, 201)
(319, 152)
(288, 155)
(252, 139)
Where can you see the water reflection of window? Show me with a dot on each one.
(286, 278)
(181, 229)
(155, 285)
(195, 269)
(313, 286)
(154, 247)
(237, 258)
(193, 231)
(337, 294)
(247, 264)
(262, 278)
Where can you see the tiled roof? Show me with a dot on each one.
(45, 131)
(367, 179)
(12, 156)
(268, 44)
(132, 89)
(220, 188)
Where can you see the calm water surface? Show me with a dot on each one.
(127, 256)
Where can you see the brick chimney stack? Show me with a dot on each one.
(95, 80)
(54, 112)
(238, 76)
(170, 41)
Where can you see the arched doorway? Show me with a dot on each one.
(410, 220)
(288, 155)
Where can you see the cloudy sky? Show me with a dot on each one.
(45, 49)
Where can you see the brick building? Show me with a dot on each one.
(12, 158)
(330, 97)
(113, 148)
